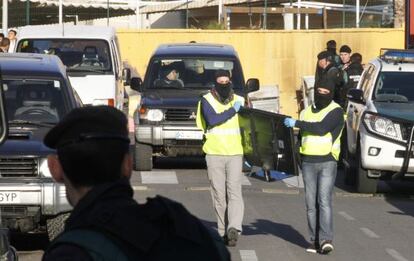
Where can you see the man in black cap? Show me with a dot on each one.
(320, 130)
(169, 77)
(342, 90)
(327, 72)
(217, 117)
(345, 54)
(331, 48)
(94, 163)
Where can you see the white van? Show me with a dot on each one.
(91, 55)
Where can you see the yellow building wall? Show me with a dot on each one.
(275, 57)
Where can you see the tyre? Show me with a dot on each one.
(364, 184)
(55, 225)
(142, 157)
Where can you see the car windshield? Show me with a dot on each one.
(33, 100)
(394, 87)
(191, 73)
(79, 55)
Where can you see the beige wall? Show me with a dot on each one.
(275, 57)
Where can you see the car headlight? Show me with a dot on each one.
(44, 168)
(383, 126)
(154, 115)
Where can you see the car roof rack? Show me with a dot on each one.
(397, 55)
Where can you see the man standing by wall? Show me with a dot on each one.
(327, 72)
(217, 117)
(320, 129)
(13, 40)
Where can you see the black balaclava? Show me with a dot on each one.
(323, 100)
(224, 90)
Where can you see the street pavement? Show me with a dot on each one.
(367, 227)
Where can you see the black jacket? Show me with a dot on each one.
(354, 72)
(161, 229)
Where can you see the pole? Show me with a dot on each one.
(265, 16)
(220, 12)
(186, 15)
(27, 12)
(307, 20)
(343, 14)
(107, 12)
(138, 14)
(357, 14)
(60, 12)
(298, 16)
(5, 16)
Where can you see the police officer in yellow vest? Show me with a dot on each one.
(217, 117)
(320, 130)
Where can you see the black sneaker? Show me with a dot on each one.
(232, 236)
(313, 248)
(326, 247)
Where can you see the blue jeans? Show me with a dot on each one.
(319, 180)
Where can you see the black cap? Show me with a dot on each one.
(345, 49)
(331, 44)
(221, 73)
(323, 55)
(166, 69)
(86, 123)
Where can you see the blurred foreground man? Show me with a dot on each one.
(217, 117)
(320, 130)
(94, 163)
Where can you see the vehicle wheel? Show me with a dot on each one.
(56, 225)
(364, 184)
(142, 157)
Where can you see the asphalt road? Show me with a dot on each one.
(367, 227)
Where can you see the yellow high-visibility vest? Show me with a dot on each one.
(225, 138)
(319, 145)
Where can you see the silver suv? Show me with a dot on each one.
(379, 125)
(37, 95)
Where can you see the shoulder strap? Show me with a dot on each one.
(99, 246)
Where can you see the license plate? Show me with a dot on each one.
(189, 135)
(9, 197)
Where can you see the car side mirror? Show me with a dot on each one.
(126, 76)
(4, 128)
(356, 95)
(252, 85)
(136, 84)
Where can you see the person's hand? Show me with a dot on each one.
(289, 122)
(237, 106)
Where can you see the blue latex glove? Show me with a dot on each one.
(237, 106)
(289, 122)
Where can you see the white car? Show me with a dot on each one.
(91, 55)
(379, 125)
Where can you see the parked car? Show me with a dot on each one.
(380, 119)
(165, 118)
(37, 94)
(91, 55)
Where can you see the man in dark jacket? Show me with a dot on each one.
(355, 70)
(328, 73)
(94, 163)
(331, 48)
